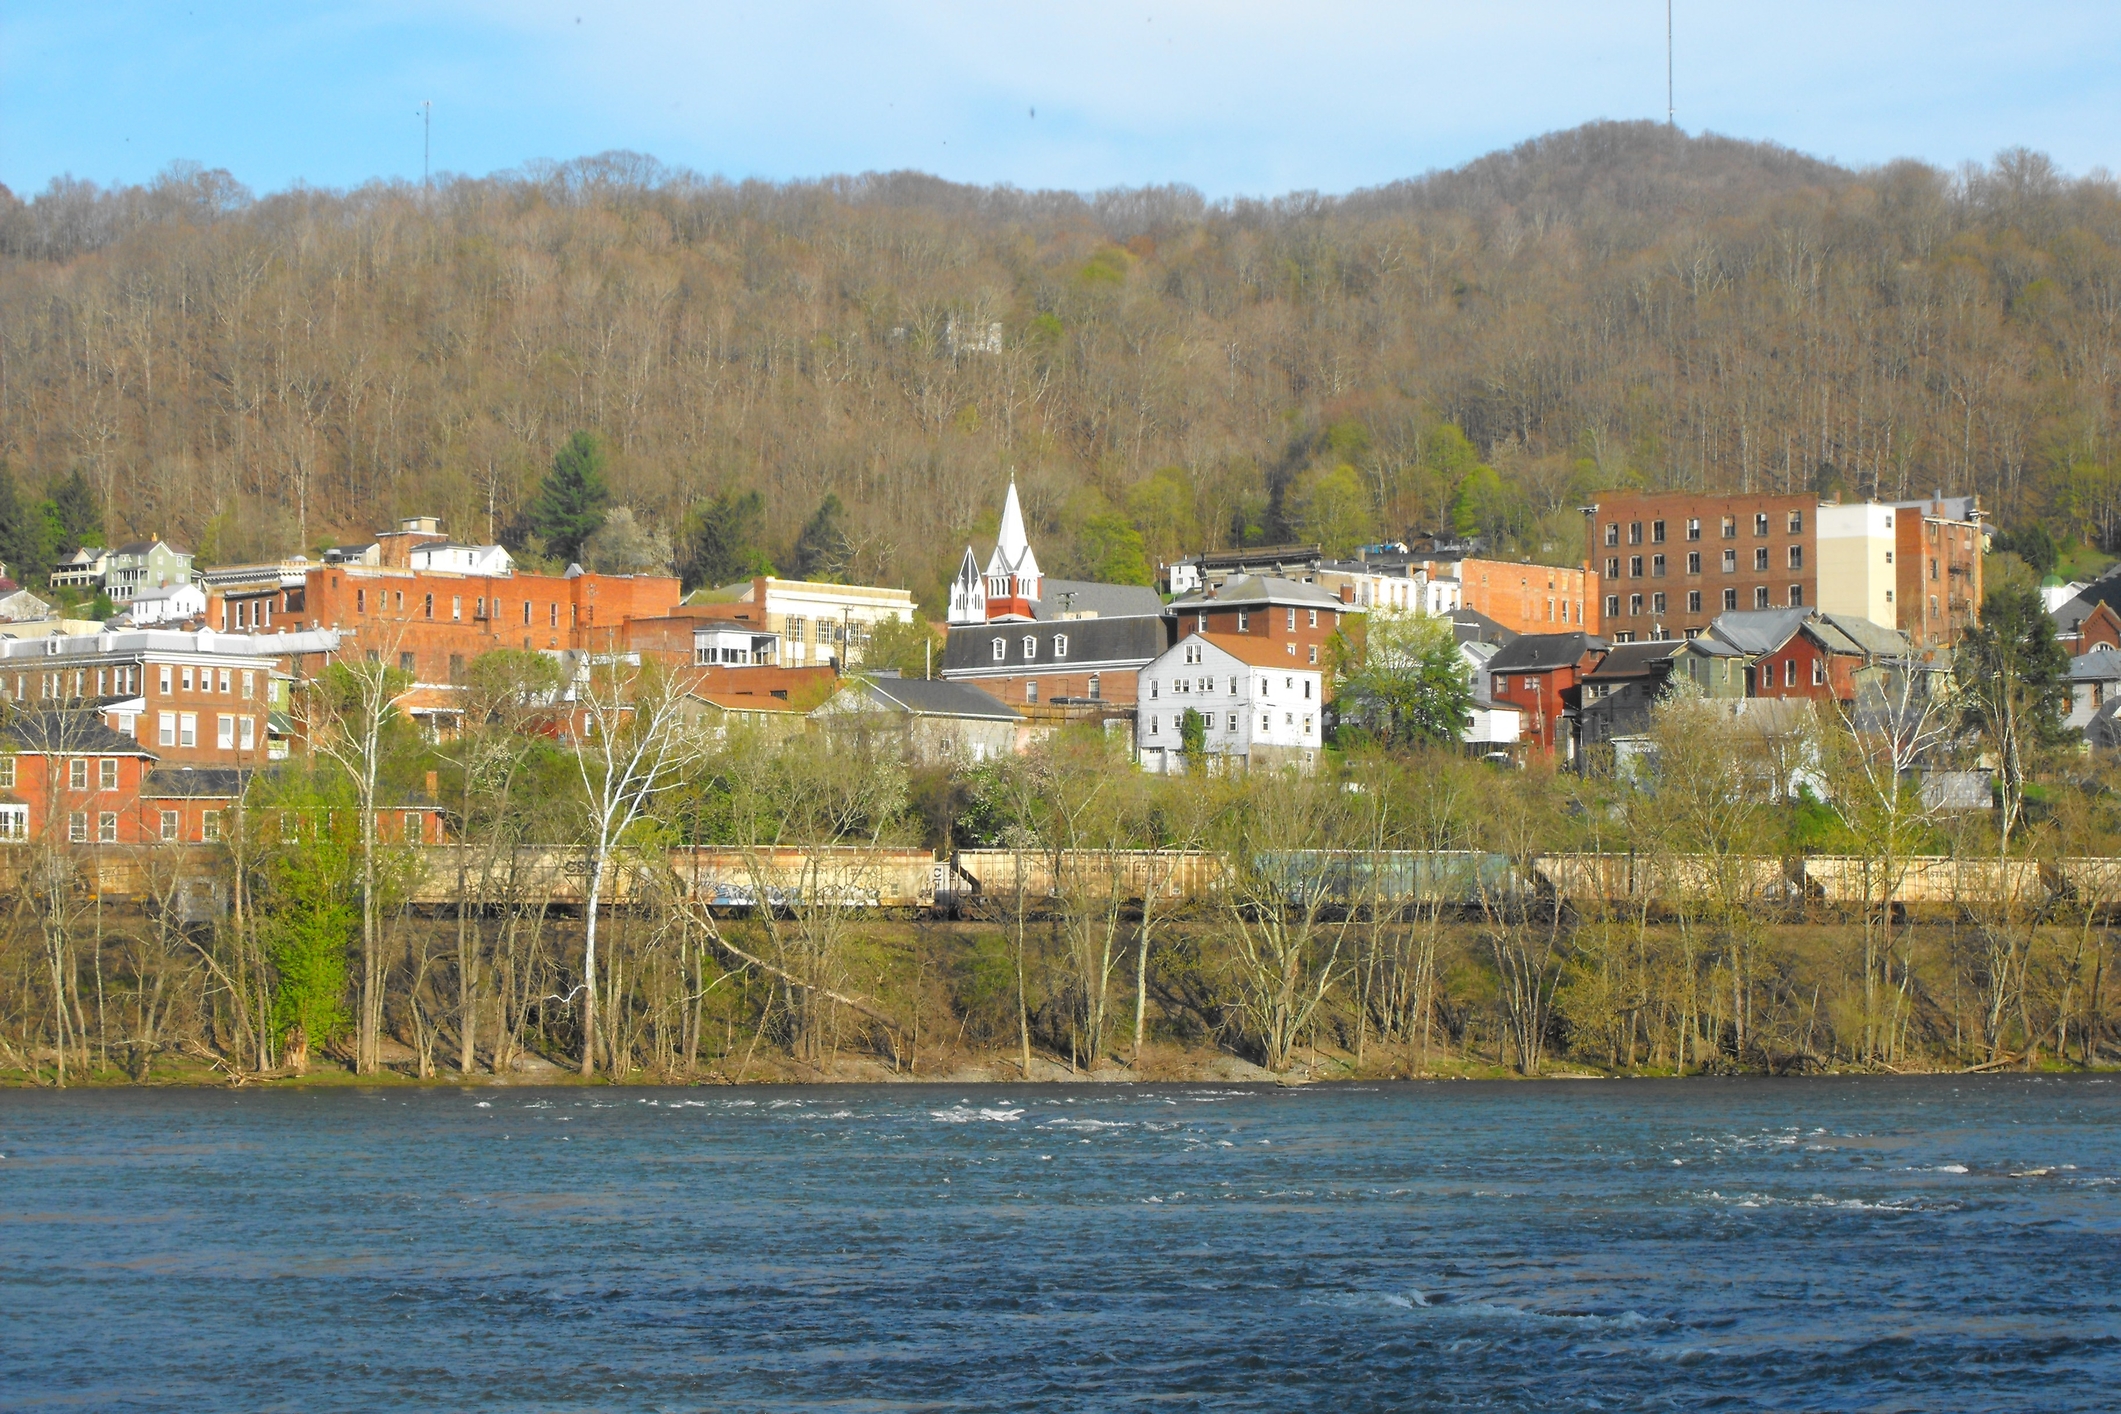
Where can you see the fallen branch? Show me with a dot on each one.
(1996, 1064)
(866, 1008)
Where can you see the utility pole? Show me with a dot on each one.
(427, 109)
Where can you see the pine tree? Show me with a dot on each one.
(570, 503)
(720, 541)
(79, 513)
(824, 550)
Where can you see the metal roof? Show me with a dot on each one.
(1260, 589)
(929, 697)
(1539, 652)
(1106, 601)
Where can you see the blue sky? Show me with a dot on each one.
(1232, 97)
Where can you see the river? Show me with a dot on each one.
(1911, 1244)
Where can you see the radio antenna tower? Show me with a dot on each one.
(427, 109)
(1669, 111)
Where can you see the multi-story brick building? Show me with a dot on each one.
(200, 699)
(66, 778)
(1668, 564)
(1298, 619)
(431, 623)
(1526, 598)
(1671, 562)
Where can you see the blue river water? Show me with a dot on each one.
(1889, 1244)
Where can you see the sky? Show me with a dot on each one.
(1231, 97)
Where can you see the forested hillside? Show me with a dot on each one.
(1617, 304)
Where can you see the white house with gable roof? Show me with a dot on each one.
(1257, 708)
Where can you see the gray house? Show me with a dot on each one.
(939, 722)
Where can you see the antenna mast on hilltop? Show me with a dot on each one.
(1668, 109)
(427, 110)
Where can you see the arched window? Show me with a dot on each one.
(1096, 687)
(1060, 645)
(1001, 649)
(1030, 648)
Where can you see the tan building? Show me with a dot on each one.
(1526, 598)
(819, 624)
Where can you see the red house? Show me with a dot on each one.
(1804, 653)
(1539, 674)
(67, 778)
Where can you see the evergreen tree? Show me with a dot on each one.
(824, 551)
(570, 503)
(720, 540)
(79, 513)
(25, 542)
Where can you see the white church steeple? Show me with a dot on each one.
(1012, 585)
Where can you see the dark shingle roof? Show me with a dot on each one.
(1472, 626)
(193, 783)
(69, 733)
(926, 697)
(1634, 660)
(1538, 652)
(1092, 643)
(1260, 589)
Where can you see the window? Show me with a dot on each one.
(1314, 618)
(1031, 691)
(1193, 652)
(1314, 653)
(1693, 528)
(1531, 684)
(187, 729)
(1155, 725)
(1759, 524)
(1656, 603)
(1502, 684)
(1232, 725)
(552, 616)
(210, 826)
(1060, 645)
(1796, 557)
(1612, 606)
(1760, 596)
(456, 608)
(246, 733)
(77, 827)
(249, 685)
(1693, 562)
(225, 732)
(1030, 648)
(1292, 620)
(1760, 560)
(413, 830)
(1244, 620)
(1307, 724)
(1730, 599)
(1634, 605)
(1634, 532)
(14, 822)
(1155, 689)
(1888, 557)
(1307, 689)
(360, 604)
(1797, 596)
(1266, 721)
(7, 773)
(165, 676)
(77, 774)
(456, 667)
(1767, 675)
(1656, 567)
(171, 823)
(1797, 522)
(107, 827)
(1693, 601)
(166, 729)
(1097, 687)
(526, 613)
(1730, 562)
(187, 679)
(407, 663)
(1612, 567)
(1634, 567)
(107, 773)
(1612, 532)
(1730, 527)
(1818, 672)
(1656, 532)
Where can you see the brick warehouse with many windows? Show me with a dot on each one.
(1668, 564)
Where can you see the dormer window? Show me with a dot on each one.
(1001, 650)
(1030, 648)
(1060, 645)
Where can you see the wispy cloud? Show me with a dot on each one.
(1232, 97)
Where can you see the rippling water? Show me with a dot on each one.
(1844, 1244)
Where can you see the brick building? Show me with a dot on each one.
(1939, 543)
(1526, 598)
(1027, 661)
(1299, 620)
(1669, 563)
(1540, 674)
(199, 699)
(67, 778)
(433, 622)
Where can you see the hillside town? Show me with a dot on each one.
(1237, 660)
